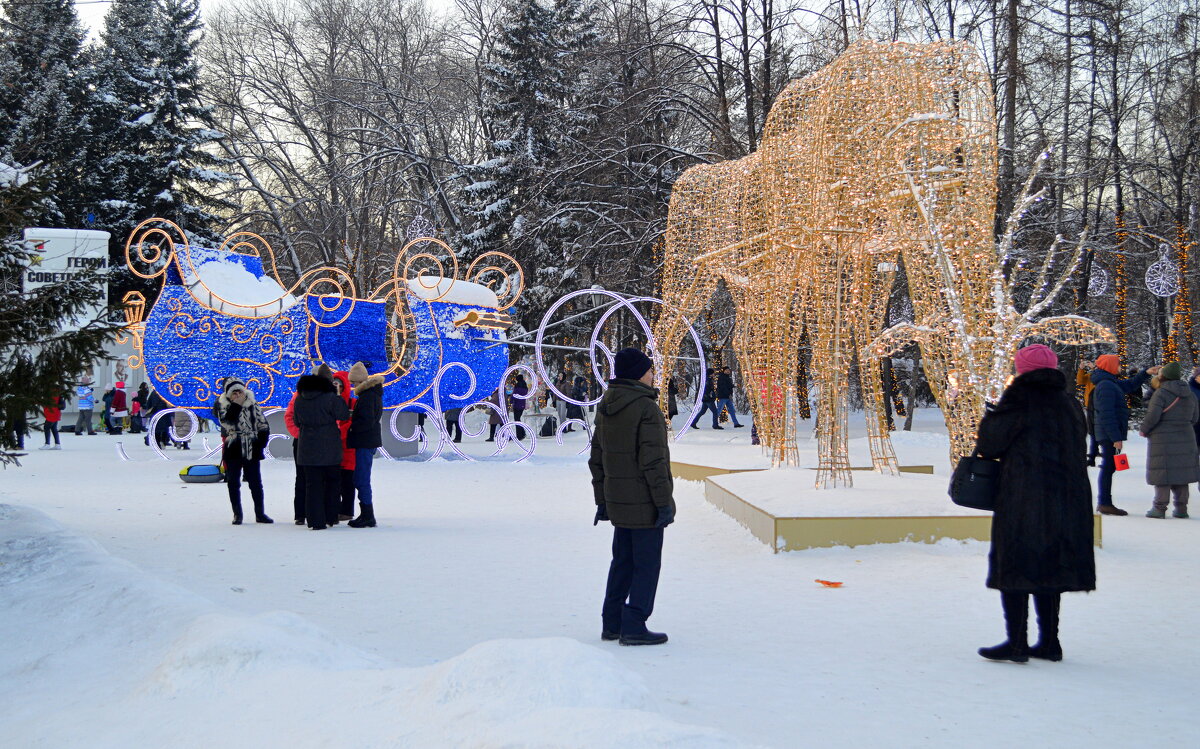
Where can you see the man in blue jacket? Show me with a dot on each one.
(1112, 421)
(85, 400)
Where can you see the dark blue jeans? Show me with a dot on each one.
(1107, 466)
(364, 458)
(726, 403)
(632, 579)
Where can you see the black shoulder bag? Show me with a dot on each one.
(975, 482)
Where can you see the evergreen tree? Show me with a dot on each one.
(44, 101)
(154, 159)
(128, 172)
(184, 129)
(535, 109)
(41, 352)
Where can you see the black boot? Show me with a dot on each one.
(260, 513)
(365, 519)
(237, 511)
(1048, 647)
(1016, 622)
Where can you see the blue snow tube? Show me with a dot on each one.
(202, 474)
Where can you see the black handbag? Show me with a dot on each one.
(975, 483)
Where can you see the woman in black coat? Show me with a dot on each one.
(1042, 525)
(317, 412)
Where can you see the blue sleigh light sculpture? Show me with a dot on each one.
(224, 313)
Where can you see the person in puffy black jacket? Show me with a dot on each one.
(245, 433)
(317, 412)
(1042, 524)
(631, 480)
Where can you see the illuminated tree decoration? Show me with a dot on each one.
(888, 153)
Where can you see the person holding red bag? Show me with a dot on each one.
(1112, 421)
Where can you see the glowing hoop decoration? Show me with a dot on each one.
(273, 435)
(558, 433)
(595, 343)
(193, 427)
(444, 439)
(418, 435)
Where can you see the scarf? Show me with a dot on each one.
(250, 423)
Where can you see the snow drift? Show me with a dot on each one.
(99, 654)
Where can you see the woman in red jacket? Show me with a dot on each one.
(345, 510)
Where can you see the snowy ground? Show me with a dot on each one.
(135, 615)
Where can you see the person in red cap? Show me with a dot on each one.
(1042, 524)
(1110, 419)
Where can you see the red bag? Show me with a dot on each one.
(1121, 460)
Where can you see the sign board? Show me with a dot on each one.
(61, 254)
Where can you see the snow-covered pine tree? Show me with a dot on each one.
(44, 104)
(155, 160)
(128, 169)
(185, 130)
(534, 95)
(40, 352)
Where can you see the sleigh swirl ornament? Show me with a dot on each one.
(224, 312)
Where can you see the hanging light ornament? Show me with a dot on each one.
(1162, 277)
(1097, 279)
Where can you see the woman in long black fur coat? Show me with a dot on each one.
(1042, 526)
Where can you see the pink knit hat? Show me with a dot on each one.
(1034, 357)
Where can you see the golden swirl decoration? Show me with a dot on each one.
(173, 387)
(417, 265)
(152, 245)
(242, 329)
(486, 270)
(203, 390)
(341, 288)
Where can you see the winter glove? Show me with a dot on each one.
(666, 516)
(260, 445)
(601, 514)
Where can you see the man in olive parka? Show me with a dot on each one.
(631, 478)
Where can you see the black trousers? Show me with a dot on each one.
(298, 489)
(322, 486)
(346, 491)
(632, 579)
(51, 428)
(237, 467)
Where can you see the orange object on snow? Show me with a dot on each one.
(829, 583)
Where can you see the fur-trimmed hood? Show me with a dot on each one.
(310, 386)
(374, 380)
(229, 383)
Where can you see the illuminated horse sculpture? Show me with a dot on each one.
(887, 155)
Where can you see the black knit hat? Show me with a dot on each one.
(631, 364)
